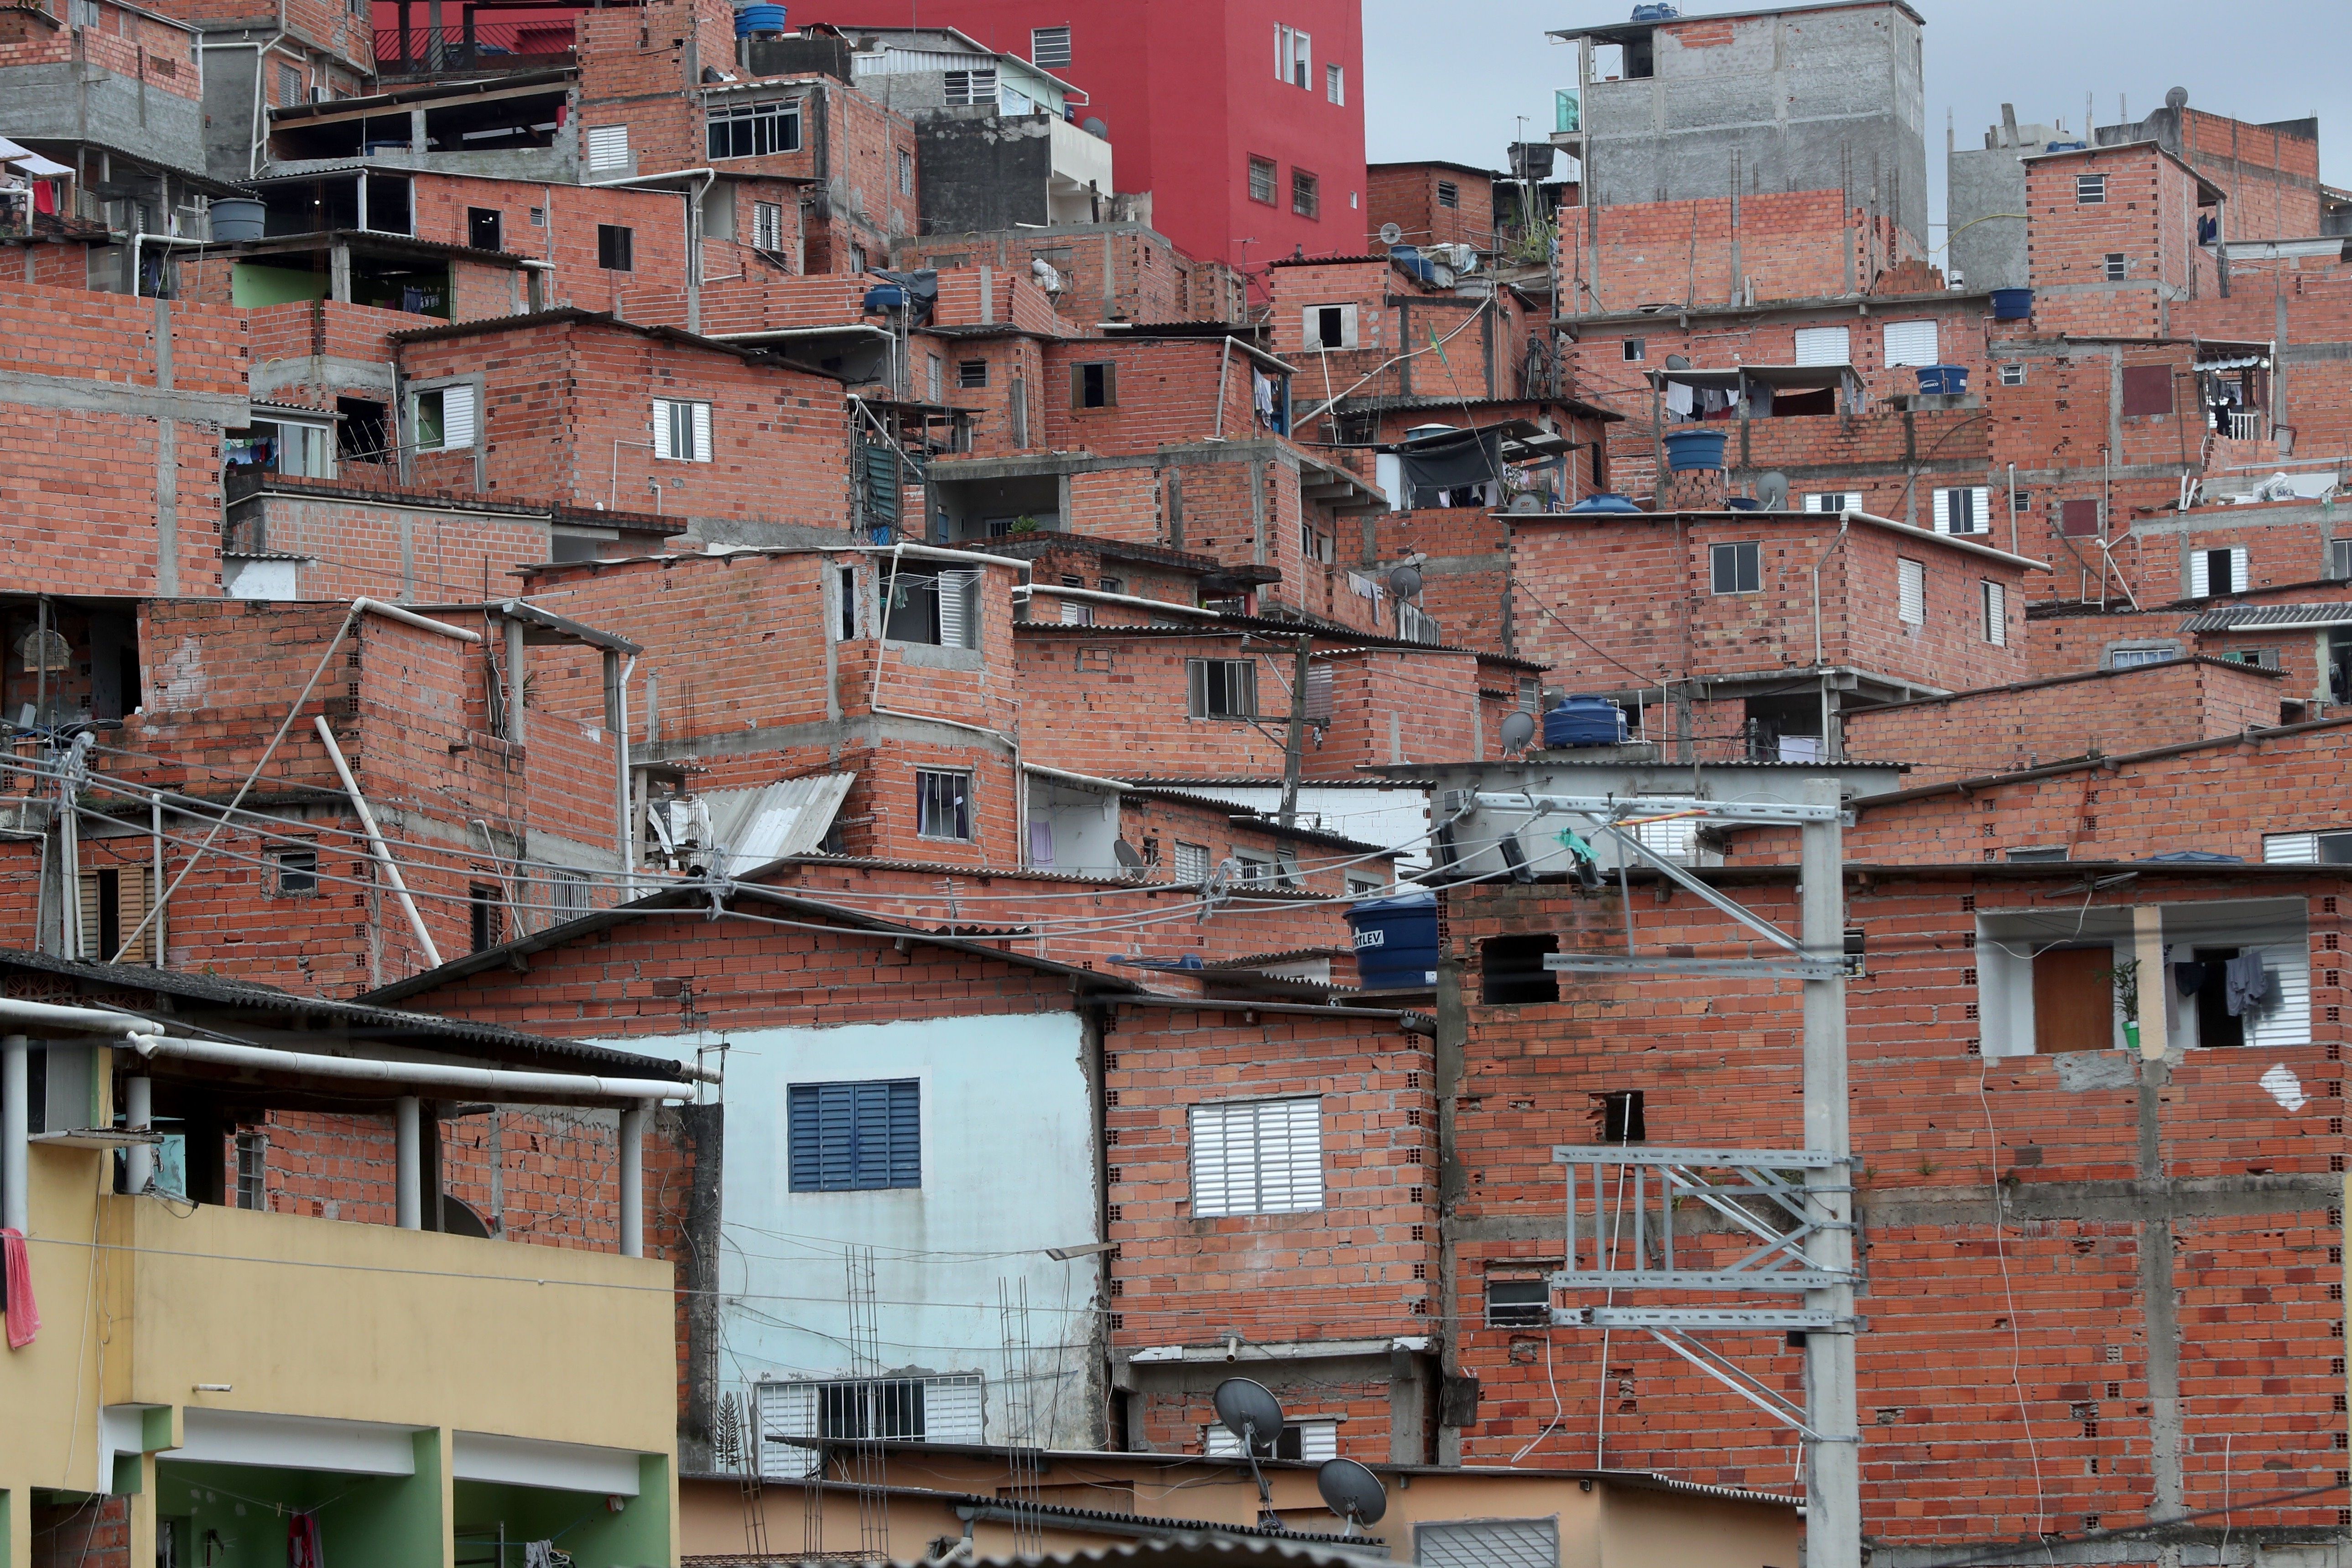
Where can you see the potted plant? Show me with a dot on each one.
(2125, 978)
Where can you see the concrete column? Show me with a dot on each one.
(408, 1189)
(1833, 1459)
(633, 1182)
(15, 1203)
(2147, 947)
(138, 1113)
(339, 273)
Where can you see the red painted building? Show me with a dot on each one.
(1244, 162)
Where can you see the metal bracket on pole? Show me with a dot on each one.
(1774, 1204)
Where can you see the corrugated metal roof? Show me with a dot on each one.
(2250, 617)
(777, 821)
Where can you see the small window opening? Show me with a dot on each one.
(1617, 1116)
(1512, 972)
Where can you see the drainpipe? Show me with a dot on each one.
(633, 1181)
(408, 1201)
(1845, 520)
(139, 1116)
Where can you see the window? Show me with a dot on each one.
(1306, 195)
(1222, 688)
(1360, 886)
(905, 173)
(2212, 571)
(252, 1164)
(2090, 189)
(289, 80)
(942, 610)
(1488, 1544)
(1329, 327)
(445, 418)
(2117, 267)
(1617, 1116)
(931, 1410)
(113, 905)
(972, 373)
(1449, 195)
(1094, 386)
(1996, 614)
(567, 896)
(614, 247)
(767, 225)
(934, 376)
(2339, 559)
(1191, 862)
(482, 227)
(855, 1137)
(754, 129)
(1824, 345)
(1511, 971)
(2047, 980)
(846, 588)
(1312, 1441)
(1111, 584)
(943, 805)
(1261, 180)
(2307, 849)
(1738, 567)
(1833, 501)
(1257, 1156)
(2041, 854)
(1964, 510)
(857, 259)
(2147, 389)
(681, 430)
(1335, 83)
(1911, 591)
(1911, 343)
(1255, 868)
(1636, 348)
(2126, 656)
(2012, 373)
(1673, 839)
(539, 218)
(294, 872)
(968, 87)
(1049, 47)
(1518, 1303)
(482, 907)
(1294, 56)
(608, 147)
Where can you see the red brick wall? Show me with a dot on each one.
(1406, 195)
(159, 57)
(1794, 245)
(2150, 216)
(2271, 176)
(381, 549)
(1110, 272)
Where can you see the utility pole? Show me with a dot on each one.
(1833, 1453)
(1294, 744)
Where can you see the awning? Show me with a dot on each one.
(33, 163)
(758, 826)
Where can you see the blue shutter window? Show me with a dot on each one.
(855, 1137)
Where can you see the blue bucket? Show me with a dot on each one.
(1691, 451)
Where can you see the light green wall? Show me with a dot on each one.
(580, 1522)
(365, 1521)
(251, 284)
(397, 1522)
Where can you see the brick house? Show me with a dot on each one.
(1431, 204)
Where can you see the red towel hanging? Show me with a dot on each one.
(17, 1267)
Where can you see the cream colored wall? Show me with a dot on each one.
(1639, 1528)
(44, 1383)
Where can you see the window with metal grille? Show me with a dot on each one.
(933, 1409)
(1222, 688)
(1738, 567)
(1312, 1441)
(1964, 510)
(754, 129)
(1049, 47)
(1306, 195)
(1335, 87)
(1911, 591)
(608, 147)
(252, 1166)
(854, 1137)
(2090, 189)
(296, 872)
(905, 173)
(486, 917)
(681, 430)
(567, 896)
(1191, 862)
(1518, 1303)
(1261, 180)
(1257, 1156)
(970, 374)
(1996, 614)
(615, 247)
(767, 225)
(2117, 267)
(1449, 195)
(972, 87)
(942, 805)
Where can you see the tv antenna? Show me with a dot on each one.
(1249, 1410)
(1351, 1491)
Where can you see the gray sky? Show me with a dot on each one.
(1449, 82)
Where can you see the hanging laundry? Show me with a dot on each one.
(16, 1270)
(1261, 395)
(1679, 400)
(2250, 984)
(2190, 977)
(303, 1549)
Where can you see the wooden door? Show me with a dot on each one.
(2073, 999)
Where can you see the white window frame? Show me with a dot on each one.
(1293, 56)
(1833, 501)
(2116, 266)
(2090, 189)
(1901, 342)
(1318, 1439)
(1996, 612)
(2308, 849)
(1314, 319)
(460, 427)
(1273, 196)
(972, 87)
(1910, 591)
(906, 172)
(1191, 864)
(1049, 47)
(1256, 1156)
(2200, 572)
(1824, 346)
(1234, 681)
(1979, 505)
(774, 121)
(1335, 83)
(768, 225)
(608, 148)
(928, 808)
(2012, 373)
(681, 417)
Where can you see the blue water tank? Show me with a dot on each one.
(1396, 941)
(1690, 451)
(2065, 147)
(1605, 501)
(1409, 256)
(2012, 304)
(1658, 12)
(1947, 381)
(750, 19)
(1585, 721)
(884, 296)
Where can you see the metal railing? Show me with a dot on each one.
(484, 47)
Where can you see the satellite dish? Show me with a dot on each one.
(1677, 361)
(1125, 854)
(1249, 1410)
(1351, 1491)
(1526, 501)
(1404, 582)
(1095, 127)
(1518, 728)
(1772, 489)
(1390, 233)
(2177, 98)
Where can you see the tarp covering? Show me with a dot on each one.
(1450, 463)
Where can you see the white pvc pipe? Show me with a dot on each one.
(376, 844)
(491, 1082)
(138, 1114)
(15, 1203)
(633, 1182)
(51, 1017)
(407, 1200)
(410, 617)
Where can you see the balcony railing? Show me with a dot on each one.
(496, 47)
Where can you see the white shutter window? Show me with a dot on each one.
(1191, 862)
(2199, 583)
(1943, 511)
(1911, 343)
(608, 147)
(1853, 501)
(1833, 501)
(955, 609)
(1911, 591)
(2289, 1021)
(1824, 346)
(1219, 1442)
(2242, 568)
(1257, 1156)
(457, 417)
(1996, 614)
(2291, 849)
(1074, 613)
(951, 1409)
(784, 1410)
(665, 447)
(1964, 510)
(701, 452)
(1673, 839)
